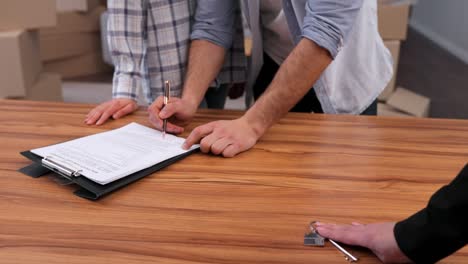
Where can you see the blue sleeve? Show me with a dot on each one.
(329, 22)
(214, 22)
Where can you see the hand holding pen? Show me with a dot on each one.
(171, 114)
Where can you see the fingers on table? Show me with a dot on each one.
(348, 234)
(197, 135)
(213, 139)
(127, 109)
(94, 115)
(108, 112)
(100, 114)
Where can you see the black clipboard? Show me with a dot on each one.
(89, 189)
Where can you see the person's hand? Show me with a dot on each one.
(227, 138)
(179, 113)
(379, 238)
(115, 108)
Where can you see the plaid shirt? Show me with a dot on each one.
(149, 42)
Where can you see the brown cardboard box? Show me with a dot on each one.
(78, 66)
(394, 47)
(409, 102)
(20, 64)
(61, 46)
(77, 5)
(27, 14)
(74, 22)
(393, 21)
(47, 88)
(386, 110)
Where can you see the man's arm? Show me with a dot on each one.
(126, 29)
(324, 30)
(205, 62)
(298, 73)
(212, 34)
(200, 74)
(294, 79)
(325, 27)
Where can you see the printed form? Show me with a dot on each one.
(112, 155)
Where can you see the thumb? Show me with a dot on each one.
(169, 110)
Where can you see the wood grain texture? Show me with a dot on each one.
(253, 208)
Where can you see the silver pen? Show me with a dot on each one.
(167, 95)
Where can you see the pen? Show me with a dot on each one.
(167, 95)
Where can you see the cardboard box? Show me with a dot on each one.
(47, 88)
(27, 14)
(77, 5)
(394, 47)
(386, 110)
(61, 46)
(78, 66)
(74, 22)
(393, 21)
(20, 65)
(409, 102)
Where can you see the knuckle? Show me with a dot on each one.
(231, 138)
(169, 108)
(196, 132)
(221, 131)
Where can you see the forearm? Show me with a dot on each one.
(126, 37)
(294, 79)
(205, 62)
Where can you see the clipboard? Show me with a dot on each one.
(87, 188)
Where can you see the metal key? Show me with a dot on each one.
(312, 238)
(313, 233)
(348, 255)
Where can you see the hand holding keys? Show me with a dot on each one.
(313, 238)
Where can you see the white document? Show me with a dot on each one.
(109, 156)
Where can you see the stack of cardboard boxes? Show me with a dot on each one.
(22, 73)
(393, 27)
(73, 47)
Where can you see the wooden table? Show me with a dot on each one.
(253, 208)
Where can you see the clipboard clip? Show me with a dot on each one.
(59, 168)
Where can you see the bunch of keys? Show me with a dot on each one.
(312, 238)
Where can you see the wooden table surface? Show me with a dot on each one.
(253, 208)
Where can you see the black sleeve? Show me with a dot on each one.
(440, 229)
